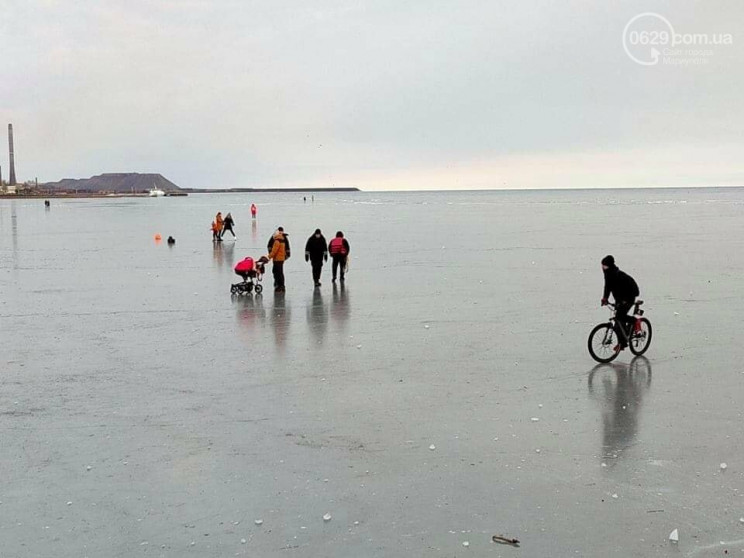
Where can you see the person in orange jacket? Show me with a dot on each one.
(215, 231)
(220, 223)
(278, 255)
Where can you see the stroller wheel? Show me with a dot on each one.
(233, 289)
(259, 288)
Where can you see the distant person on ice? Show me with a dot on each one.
(278, 253)
(338, 248)
(215, 231)
(316, 253)
(220, 222)
(228, 225)
(624, 290)
(254, 210)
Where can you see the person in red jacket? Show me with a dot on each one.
(338, 248)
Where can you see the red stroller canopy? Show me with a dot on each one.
(244, 266)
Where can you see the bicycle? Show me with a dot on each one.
(602, 339)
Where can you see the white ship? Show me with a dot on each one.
(156, 193)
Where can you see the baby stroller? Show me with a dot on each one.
(252, 273)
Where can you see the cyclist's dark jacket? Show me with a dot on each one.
(622, 286)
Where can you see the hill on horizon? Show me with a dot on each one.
(124, 182)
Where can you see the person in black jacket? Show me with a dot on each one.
(316, 253)
(227, 225)
(624, 290)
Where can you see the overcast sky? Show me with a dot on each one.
(423, 94)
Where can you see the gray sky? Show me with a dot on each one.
(378, 95)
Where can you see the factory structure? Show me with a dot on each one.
(9, 186)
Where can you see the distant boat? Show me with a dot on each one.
(156, 193)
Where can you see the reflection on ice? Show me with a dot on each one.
(251, 311)
(317, 317)
(340, 309)
(280, 320)
(223, 254)
(229, 258)
(620, 389)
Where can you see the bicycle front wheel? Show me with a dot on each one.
(602, 343)
(640, 339)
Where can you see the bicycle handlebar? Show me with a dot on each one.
(636, 305)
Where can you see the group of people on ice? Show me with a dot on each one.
(220, 225)
(317, 251)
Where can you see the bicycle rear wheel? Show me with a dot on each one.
(641, 339)
(601, 343)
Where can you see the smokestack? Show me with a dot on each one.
(12, 179)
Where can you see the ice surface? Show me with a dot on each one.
(197, 411)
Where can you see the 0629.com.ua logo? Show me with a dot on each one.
(650, 39)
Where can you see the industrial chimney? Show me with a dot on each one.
(12, 179)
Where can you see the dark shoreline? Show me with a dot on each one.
(262, 190)
(187, 191)
(179, 193)
(77, 195)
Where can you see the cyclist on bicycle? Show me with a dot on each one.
(624, 290)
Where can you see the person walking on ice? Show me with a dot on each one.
(316, 253)
(227, 225)
(338, 248)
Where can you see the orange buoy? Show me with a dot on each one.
(158, 237)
